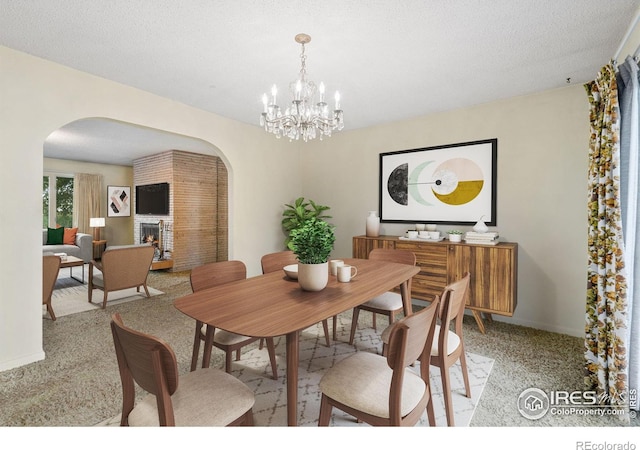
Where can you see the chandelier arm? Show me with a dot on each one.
(304, 117)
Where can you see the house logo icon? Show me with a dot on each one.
(533, 403)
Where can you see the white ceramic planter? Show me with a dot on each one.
(313, 277)
(455, 238)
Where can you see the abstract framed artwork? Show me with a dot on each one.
(118, 201)
(447, 184)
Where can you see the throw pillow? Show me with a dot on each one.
(55, 236)
(69, 237)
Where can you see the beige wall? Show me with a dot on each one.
(38, 97)
(542, 169)
(117, 230)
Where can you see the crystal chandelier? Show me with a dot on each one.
(303, 117)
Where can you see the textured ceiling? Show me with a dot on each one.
(390, 59)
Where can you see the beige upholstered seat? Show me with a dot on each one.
(274, 262)
(207, 397)
(448, 345)
(121, 268)
(50, 269)
(215, 274)
(383, 390)
(389, 303)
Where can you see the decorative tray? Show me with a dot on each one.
(421, 239)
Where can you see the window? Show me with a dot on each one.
(57, 204)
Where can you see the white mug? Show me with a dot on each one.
(424, 234)
(412, 234)
(434, 234)
(344, 273)
(334, 264)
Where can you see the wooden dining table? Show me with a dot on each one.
(274, 305)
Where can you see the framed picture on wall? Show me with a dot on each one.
(447, 184)
(119, 201)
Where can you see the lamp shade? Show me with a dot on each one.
(96, 222)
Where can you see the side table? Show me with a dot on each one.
(98, 248)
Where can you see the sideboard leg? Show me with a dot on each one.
(478, 317)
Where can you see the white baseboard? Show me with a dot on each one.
(22, 361)
(521, 322)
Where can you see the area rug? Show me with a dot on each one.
(315, 358)
(71, 297)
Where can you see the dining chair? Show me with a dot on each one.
(274, 262)
(389, 303)
(448, 344)
(215, 274)
(384, 390)
(50, 270)
(208, 397)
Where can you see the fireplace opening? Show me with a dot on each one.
(151, 233)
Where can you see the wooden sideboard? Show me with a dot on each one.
(493, 269)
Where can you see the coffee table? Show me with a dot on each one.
(72, 262)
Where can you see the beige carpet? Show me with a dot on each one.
(315, 358)
(71, 297)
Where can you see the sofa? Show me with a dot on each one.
(82, 249)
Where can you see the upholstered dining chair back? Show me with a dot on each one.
(210, 397)
(50, 269)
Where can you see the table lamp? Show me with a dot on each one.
(96, 223)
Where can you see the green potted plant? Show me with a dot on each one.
(312, 243)
(294, 216)
(455, 235)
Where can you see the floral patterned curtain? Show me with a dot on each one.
(606, 315)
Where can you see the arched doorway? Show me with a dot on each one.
(197, 229)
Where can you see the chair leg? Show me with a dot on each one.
(271, 348)
(325, 411)
(227, 361)
(238, 355)
(374, 322)
(51, 313)
(261, 344)
(104, 300)
(431, 415)
(325, 326)
(146, 290)
(335, 326)
(446, 391)
(354, 324)
(465, 373)
(196, 346)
